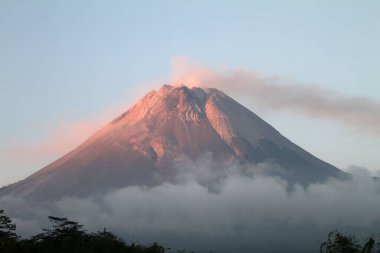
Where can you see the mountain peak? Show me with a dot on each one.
(168, 123)
(190, 103)
(198, 92)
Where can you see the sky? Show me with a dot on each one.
(67, 67)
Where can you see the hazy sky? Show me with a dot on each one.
(66, 67)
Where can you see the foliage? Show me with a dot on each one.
(8, 237)
(67, 236)
(340, 243)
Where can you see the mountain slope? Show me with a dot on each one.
(140, 146)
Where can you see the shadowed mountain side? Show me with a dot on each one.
(140, 146)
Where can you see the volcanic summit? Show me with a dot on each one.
(140, 146)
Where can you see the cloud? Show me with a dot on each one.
(278, 93)
(362, 171)
(221, 208)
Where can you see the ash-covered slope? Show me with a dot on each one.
(139, 147)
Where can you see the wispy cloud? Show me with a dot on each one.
(278, 93)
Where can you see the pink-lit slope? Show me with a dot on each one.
(139, 147)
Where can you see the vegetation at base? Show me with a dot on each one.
(67, 236)
(341, 243)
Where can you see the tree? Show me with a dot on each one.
(369, 246)
(104, 242)
(7, 228)
(8, 237)
(340, 243)
(155, 248)
(65, 236)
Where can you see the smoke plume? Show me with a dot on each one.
(277, 93)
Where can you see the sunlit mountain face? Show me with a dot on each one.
(144, 145)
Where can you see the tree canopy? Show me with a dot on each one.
(341, 243)
(65, 236)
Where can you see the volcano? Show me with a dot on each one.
(140, 146)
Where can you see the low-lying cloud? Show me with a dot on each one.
(278, 93)
(221, 208)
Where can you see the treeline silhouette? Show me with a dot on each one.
(338, 242)
(67, 236)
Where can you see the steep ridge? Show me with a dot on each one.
(140, 146)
